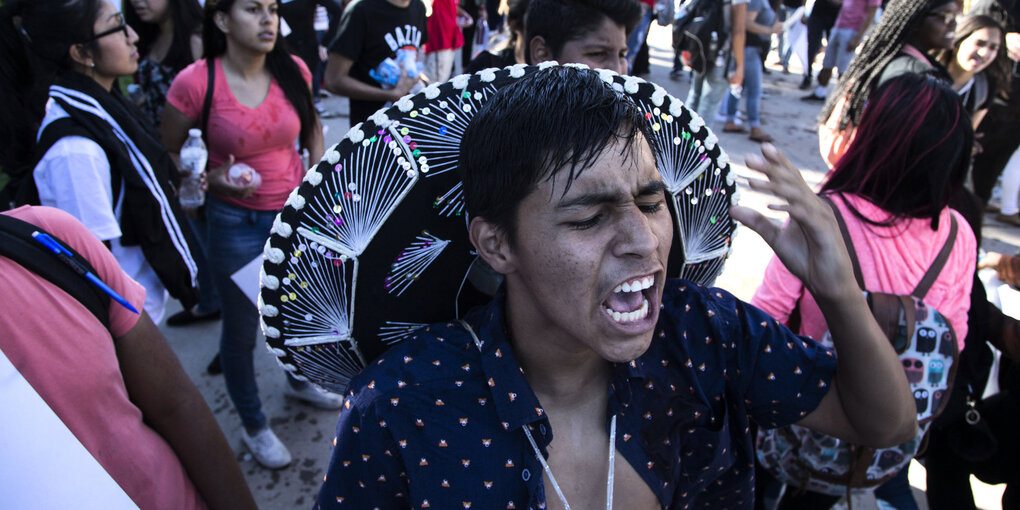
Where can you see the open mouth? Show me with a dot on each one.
(629, 301)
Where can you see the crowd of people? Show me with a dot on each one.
(919, 109)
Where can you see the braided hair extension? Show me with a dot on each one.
(898, 23)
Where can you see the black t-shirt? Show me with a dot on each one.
(372, 31)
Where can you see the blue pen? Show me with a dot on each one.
(69, 259)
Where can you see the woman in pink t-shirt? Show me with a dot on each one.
(892, 188)
(261, 104)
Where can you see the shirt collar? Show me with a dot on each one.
(515, 402)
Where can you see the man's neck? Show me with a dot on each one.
(563, 374)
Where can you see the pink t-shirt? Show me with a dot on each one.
(68, 358)
(893, 260)
(262, 137)
(851, 15)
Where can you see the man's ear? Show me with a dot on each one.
(491, 243)
(538, 50)
(81, 55)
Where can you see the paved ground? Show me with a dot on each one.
(309, 431)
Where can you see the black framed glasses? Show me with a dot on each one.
(122, 27)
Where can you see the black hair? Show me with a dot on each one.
(899, 22)
(560, 118)
(35, 41)
(279, 63)
(562, 21)
(911, 151)
(999, 70)
(187, 22)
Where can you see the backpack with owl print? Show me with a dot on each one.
(926, 345)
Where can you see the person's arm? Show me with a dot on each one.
(869, 18)
(339, 81)
(1007, 267)
(757, 28)
(173, 407)
(316, 142)
(869, 401)
(738, 35)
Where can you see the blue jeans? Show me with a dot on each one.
(897, 492)
(637, 36)
(752, 89)
(707, 92)
(208, 296)
(236, 236)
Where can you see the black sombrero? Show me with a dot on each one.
(373, 244)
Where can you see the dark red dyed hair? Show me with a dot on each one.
(910, 152)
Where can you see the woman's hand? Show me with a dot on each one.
(218, 183)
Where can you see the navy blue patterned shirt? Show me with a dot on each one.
(437, 423)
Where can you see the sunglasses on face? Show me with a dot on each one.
(122, 27)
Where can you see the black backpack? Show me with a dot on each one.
(699, 33)
(16, 243)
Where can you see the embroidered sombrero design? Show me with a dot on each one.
(373, 244)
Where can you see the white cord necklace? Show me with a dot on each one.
(552, 479)
(541, 459)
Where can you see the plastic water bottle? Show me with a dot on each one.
(193, 159)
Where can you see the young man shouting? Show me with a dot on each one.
(592, 378)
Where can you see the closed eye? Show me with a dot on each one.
(585, 224)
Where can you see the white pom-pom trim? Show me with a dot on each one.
(547, 64)
(380, 119)
(460, 81)
(279, 353)
(487, 75)
(658, 95)
(295, 200)
(517, 70)
(711, 140)
(405, 104)
(281, 228)
(267, 310)
(333, 156)
(270, 331)
(267, 280)
(576, 65)
(356, 135)
(274, 255)
(606, 75)
(313, 177)
(676, 107)
(630, 84)
(696, 123)
(432, 91)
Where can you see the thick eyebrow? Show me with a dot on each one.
(610, 197)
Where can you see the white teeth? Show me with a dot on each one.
(636, 315)
(635, 285)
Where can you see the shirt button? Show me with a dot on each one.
(526, 475)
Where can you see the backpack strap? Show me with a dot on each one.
(940, 261)
(858, 274)
(64, 127)
(16, 243)
(210, 64)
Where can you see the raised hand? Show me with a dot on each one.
(809, 244)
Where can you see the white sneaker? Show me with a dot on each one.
(316, 396)
(267, 449)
